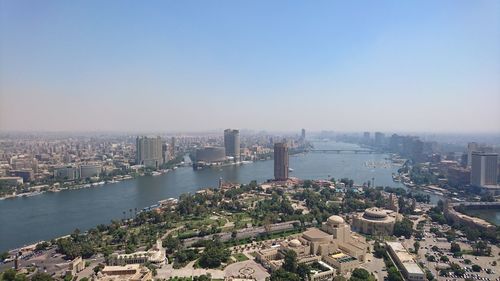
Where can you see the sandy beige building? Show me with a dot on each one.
(375, 221)
(333, 246)
(131, 272)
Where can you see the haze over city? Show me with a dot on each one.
(430, 66)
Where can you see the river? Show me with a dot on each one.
(49, 215)
(490, 215)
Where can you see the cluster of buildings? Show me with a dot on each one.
(330, 250)
(30, 160)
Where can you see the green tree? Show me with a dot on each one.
(214, 255)
(403, 228)
(283, 275)
(393, 274)
(360, 274)
(476, 268)
(457, 269)
(290, 261)
(455, 248)
(21, 277)
(378, 250)
(171, 244)
(9, 275)
(429, 275)
(444, 259)
(4, 256)
(304, 271)
(416, 246)
(41, 277)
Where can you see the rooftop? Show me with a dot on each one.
(315, 233)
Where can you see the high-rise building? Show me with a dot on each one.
(484, 168)
(471, 147)
(280, 161)
(366, 137)
(379, 139)
(149, 151)
(165, 152)
(232, 143)
(171, 149)
(303, 134)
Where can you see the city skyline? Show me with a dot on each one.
(79, 66)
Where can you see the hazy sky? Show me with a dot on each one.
(277, 65)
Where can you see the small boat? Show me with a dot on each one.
(290, 169)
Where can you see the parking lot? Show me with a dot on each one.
(439, 247)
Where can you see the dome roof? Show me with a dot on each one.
(335, 219)
(375, 213)
(295, 243)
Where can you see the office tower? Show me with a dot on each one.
(149, 151)
(366, 137)
(280, 161)
(171, 149)
(379, 139)
(471, 147)
(303, 134)
(165, 152)
(484, 168)
(232, 143)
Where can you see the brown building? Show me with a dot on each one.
(280, 161)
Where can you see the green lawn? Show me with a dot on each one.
(240, 257)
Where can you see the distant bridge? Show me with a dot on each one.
(338, 151)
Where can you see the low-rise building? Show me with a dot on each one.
(375, 221)
(131, 272)
(13, 181)
(334, 245)
(155, 255)
(405, 262)
(75, 266)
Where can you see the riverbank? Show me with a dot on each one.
(53, 214)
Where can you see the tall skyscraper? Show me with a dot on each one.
(366, 137)
(280, 161)
(303, 134)
(171, 149)
(471, 147)
(165, 152)
(232, 143)
(484, 168)
(379, 139)
(149, 151)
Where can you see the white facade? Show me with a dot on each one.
(484, 169)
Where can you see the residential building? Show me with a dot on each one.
(149, 151)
